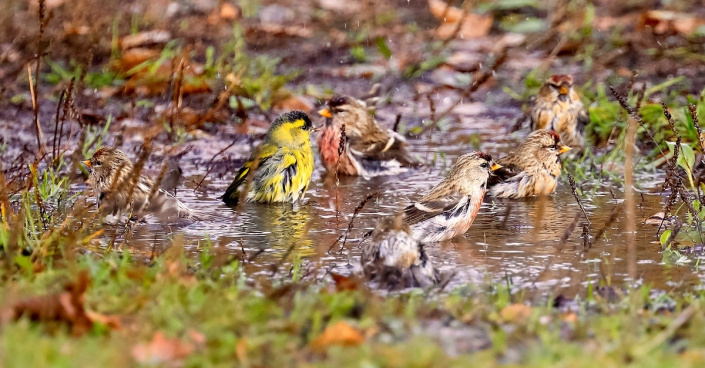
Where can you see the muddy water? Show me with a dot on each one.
(515, 242)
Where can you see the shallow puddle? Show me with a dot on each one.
(515, 242)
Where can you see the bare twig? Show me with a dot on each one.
(359, 208)
(696, 122)
(211, 165)
(574, 189)
(56, 126)
(613, 217)
(35, 88)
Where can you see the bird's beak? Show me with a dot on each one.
(564, 149)
(495, 167)
(563, 90)
(87, 163)
(325, 113)
(314, 129)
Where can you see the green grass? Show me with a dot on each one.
(225, 319)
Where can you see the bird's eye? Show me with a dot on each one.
(555, 86)
(553, 146)
(97, 163)
(484, 165)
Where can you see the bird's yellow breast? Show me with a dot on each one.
(286, 176)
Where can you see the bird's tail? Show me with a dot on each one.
(232, 195)
(423, 274)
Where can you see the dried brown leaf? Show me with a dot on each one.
(145, 39)
(343, 283)
(340, 334)
(295, 103)
(473, 25)
(161, 350)
(515, 313)
(665, 21)
(66, 306)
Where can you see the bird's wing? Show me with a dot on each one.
(583, 120)
(383, 146)
(258, 158)
(424, 210)
(503, 174)
(279, 170)
(164, 206)
(541, 119)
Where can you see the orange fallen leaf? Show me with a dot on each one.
(515, 313)
(472, 26)
(343, 283)
(161, 350)
(134, 57)
(143, 39)
(295, 103)
(665, 21)
(229, 11)
(113, 322)
(65, 307)
(241, 350)
(340, 334)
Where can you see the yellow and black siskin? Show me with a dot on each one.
(280, 168)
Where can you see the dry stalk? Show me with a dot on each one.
(696, 122)
(574, 189)
(35, 86)
(56, 126)
(359, 208)
(211, 164)
(635, 115)
(616, 212)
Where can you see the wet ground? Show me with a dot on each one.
(514, 242)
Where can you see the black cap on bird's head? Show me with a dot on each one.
(333, 106)
(485, 156)
(337, 101)
(293, 116)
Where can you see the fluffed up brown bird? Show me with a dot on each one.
(112, 179)
(394, 259)
(370, 150)
(558, 108)
(532, 169)
(452, 205)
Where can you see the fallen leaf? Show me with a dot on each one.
(295, 103)
(343, 283)
(340, 334)
(196, 337)
(472, 26)
(161, 350)
(113, 322)
(241, 350)
(144, 39)
(515, 313)
(66, 306)
(666, 21)
(342, 7)
(570, 317)
(156, 82)
(134, 57)
(290, 30)
(229, 11)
